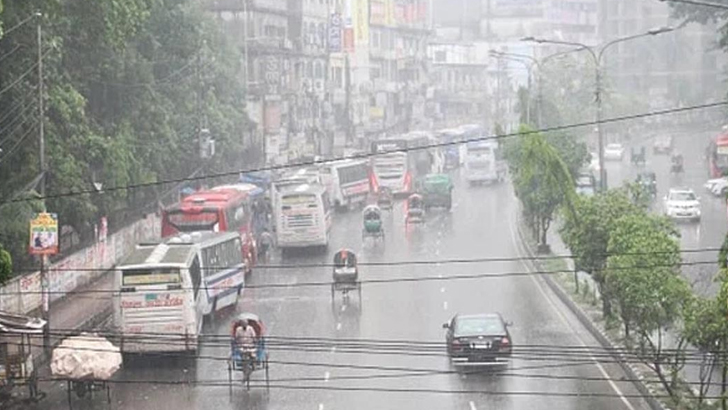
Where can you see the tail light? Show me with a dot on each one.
(505, 343)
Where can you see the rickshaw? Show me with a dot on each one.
(415, 209)
(385, 199)
(677, 164)
(346, 274)
(243, 362)
(638, 158)
(372, 215)
(16, 358)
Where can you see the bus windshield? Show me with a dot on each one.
(152, 276)
(353, 173)
(193, 222)
(298, 201)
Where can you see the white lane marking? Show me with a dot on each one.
(321, 406)
(437, 252)
(338, 326)
(439, 275)
(442, 290)
(343, 308)
(568, 325)
(333, 349)
(326, 376)
(444, 305)
(472, 406)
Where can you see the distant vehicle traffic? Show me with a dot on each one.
(478, 340)
(585, 184)
(452, 151)
(718, 155)
(483, 162)
(303, 216)
(614, 152)
(682, 203)
(166, 288)
(647, 181)
(663, 144)
(398, 162)
(239, 207)
(347, 181)
(717, 186)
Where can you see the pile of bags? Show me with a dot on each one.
(87, 356)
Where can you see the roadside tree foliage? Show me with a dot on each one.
(587, 228)
(6, 265)
(644, 282)
(127, 86)
(541, 179)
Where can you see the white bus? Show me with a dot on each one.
(347, 182)
(483, 162)
(391, 165)
(303, 216)
(166, 289)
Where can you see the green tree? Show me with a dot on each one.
(587, 229)
(644, 282)
(6, 265)
(541, 179)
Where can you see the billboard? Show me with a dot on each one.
(44, 234)
(360, 16)
(335, 44)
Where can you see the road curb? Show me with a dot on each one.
(598, 334)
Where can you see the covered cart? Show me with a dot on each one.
(16, 358)
(372, 216)
(346, 274)
(86, 362)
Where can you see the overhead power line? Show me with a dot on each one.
(22, 76)
(17, 144)
(413, 279)
(364, 156)
(700, 3)
(435, 262)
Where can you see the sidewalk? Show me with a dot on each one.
(690, 373)
(85, 310)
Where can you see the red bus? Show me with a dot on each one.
(237, 207)
(718, 155)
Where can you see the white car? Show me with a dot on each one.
(614, 152)
(717, 186)
(682, 203)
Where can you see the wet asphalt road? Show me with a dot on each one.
(480, 225)
(694, 236)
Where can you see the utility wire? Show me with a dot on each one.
(22, 76)
(9, 53)
(700, 3)
(12, 109)
(14, 122)
(17, 144)
(415, 279)
(17, 26)
(415, 262)
(363, 156)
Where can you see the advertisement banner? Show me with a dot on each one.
(349, 39)
(335, 37)
(44, 234)
(361, 22)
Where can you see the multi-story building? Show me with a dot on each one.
(682, 67)
(398, 65)
(461, 84)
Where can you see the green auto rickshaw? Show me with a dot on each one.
(437, 191)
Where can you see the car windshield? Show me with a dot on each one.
(682, 196)
(479, 326)
(614, 146)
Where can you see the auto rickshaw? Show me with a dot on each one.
(437, 191)
(677, 163)
(415, 209)
(372, 216)
(638, 157)
(648, 182)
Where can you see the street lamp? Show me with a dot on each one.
(597, 55)
(529, 68)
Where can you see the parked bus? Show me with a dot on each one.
(222, 209)
(303, 216)
(718, 155)
(165, 289)
(483, 162)
(347, 182)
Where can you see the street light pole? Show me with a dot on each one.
(597, 59)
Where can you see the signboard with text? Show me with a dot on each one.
(44, 234)
(335, 33)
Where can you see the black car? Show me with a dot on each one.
(478, 340)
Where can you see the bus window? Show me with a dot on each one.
(221, 257)
(195, 275)
(235, 217)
